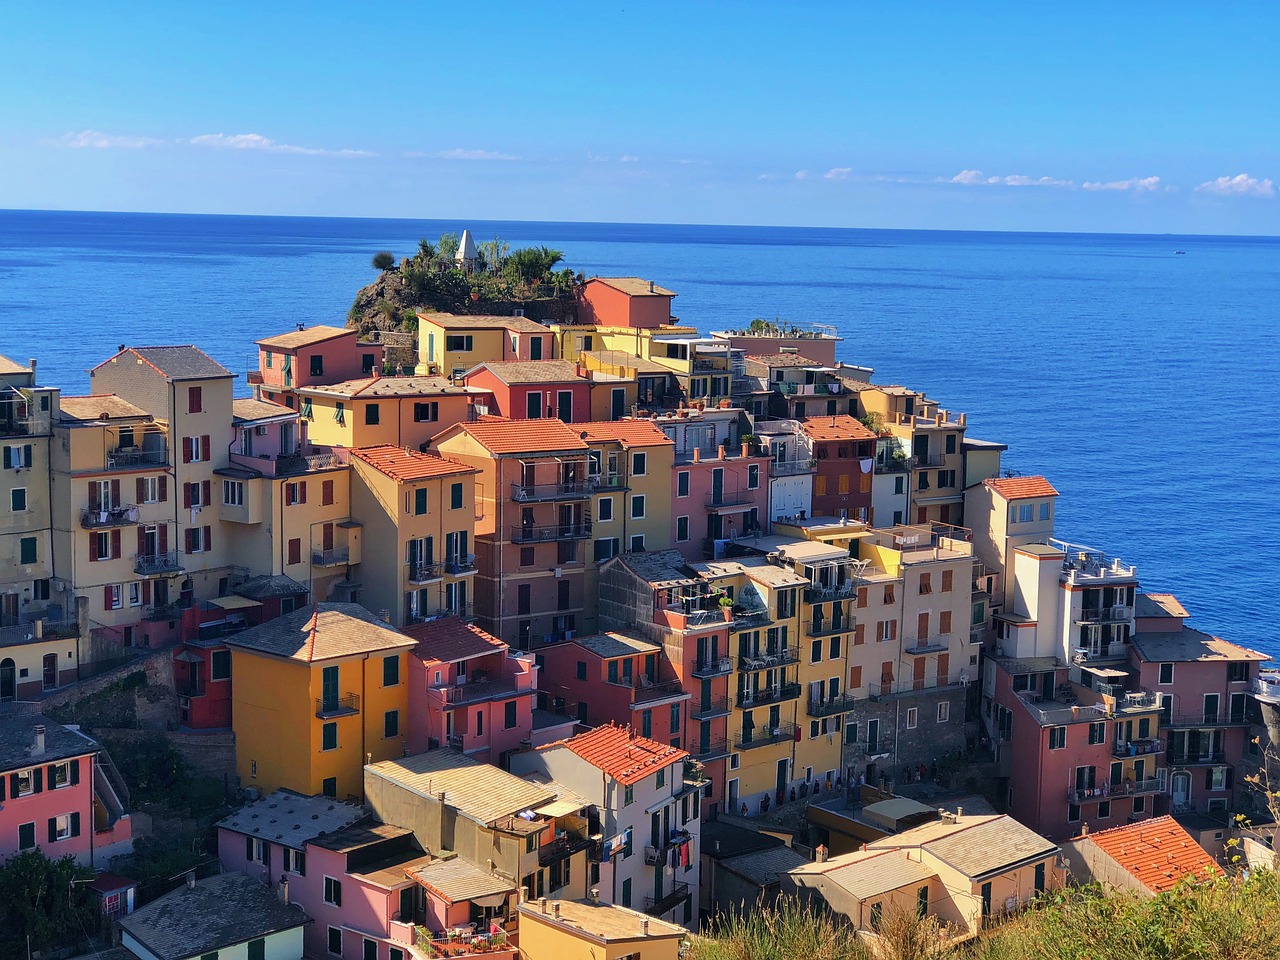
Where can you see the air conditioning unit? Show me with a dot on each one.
(559, 572)
(260, 431)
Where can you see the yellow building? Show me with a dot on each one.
(402, 411)
(570, 929)
(315, 693)
(450, 344)
(420, 510)
(619, 380)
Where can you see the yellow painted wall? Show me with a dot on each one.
(547, 940)
(485, 345)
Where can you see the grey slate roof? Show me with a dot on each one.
(722, 841)
(18, 737)
(764, 867)
(322, 632)
(266, 585)
(214, 914)
(182, 363)
(290, 819)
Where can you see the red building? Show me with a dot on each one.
(535, 389)
(468, 690)
(625, 302)
(309, 356)
(615, 678)
(844, 451)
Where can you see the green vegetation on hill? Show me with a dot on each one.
(1234, 918)
(44, 904)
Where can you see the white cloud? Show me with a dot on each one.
(969, 176)
(255, 141)
(1241, 185)
(627, 158)
(802, 174)
(1136, 184)
(97, 140)
(976, 178)
(838, 173)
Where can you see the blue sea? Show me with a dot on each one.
(1142, 381)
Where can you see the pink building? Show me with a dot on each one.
(309, 356)
(468, 690)
(625, 302)
(716, 500)
(615, 678)
(535, 389)
(59, 793)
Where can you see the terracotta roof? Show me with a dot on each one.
(1159, 605)
(175, 363)
(621, 754)
(301, 338)
(531, 371)
(93, 407)
(634, 286)
(1021, 488)
(455, 321)
(248, 410)
(630, 433)
(449, 640)
(322, 632)
(1157, 852)
(502, 436)
(368, 387)
(782, 360)
(841, 427)
(12, 366)
(401, 464)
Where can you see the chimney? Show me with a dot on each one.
(595, 895)
(440, 797)
(555, 909)
(651, 286)
(32, 364)
(644, 927)
(820, 854)
(368, 758)
(282, 891)
(1084, 829)
(38, 749)
(959, 813)
(301, 327)
(377, 371)
(717, 846)
(542, 902)
(191, 879)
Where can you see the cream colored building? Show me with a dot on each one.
(564, 929)
(402, 411)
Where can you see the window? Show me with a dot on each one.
(509, 715)
(876, 915)
(64, 827)
(637, 543)
(317, 365)
(675, 718)
(268, 359)
(27, 836)
(605, 548)
(295, 493)
(340, 414)
(888, 593)
(391, 724)
(427, 412)
(637, 506)
(18, 499)
(912, 716)
(391, 670)
(458, 342)
(329, 736)
(27, 550)
(604, 510)
(1104, 810)
(455, 496)
(335, 939)
(662, 778)
(233, 493)
(682, 529)
(639, 464)
(395, 953)
(328, 786)
(295, 550)
(1237, 672)
(946, 478)
(372, 414)
(533, 405)
(926, 584)
(194, 400)
(60, 775)
(113, 597)
(833, 648)
(195, 449)
(815, 651)
(1057, 738)
(626, 892)
(944, 711)
(150, 490)
(369, 949)
(682, 483)
(419, 502)
(1166, 674)
(753, 476)
(199, 540)
(333, 891)
(922, 901)
(326, 493)
(628, 795)
(257, 850)
(950, 443)
(1098, 731)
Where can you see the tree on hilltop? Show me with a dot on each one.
(384, 260)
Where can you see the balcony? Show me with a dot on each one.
(601, 482)
(553, 531)
(716, 748)
(13, 425)
(1267, 687)
(133, 458)
(425, 572)
(163, 611)
(460, 563)
(827, 628)
(781, 693)
(333, 557)
(538, 492)
(157, 564)
(657, 856)
(782, 657)
(121, 516)
(926, 645)
(765, 736)
(748, 618)
(191, 688)
(668, 902)
(704, 669)
(791, 468)
(328, 707)
(709, 710)
(35, 630)
(1136, 748)
(1116, 614)
(732, 498)
(647, 692)
(562, 848)
(818, 593)
(1195, 758)
(832, 705)
(1204, 720)
(1130, 788)
(1115, 650)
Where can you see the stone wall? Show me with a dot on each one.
(138, 694)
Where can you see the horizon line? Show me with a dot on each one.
(643, 223)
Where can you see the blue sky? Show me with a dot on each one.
(1137, 117)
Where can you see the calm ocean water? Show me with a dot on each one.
(1143, 383)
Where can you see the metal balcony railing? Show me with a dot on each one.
(656, 907)
(12, 425)
(764, 736)
(94, 517)
(708, 710)
(706, 751)
(830, 706)
(1136, 748)
(131, 458)
(552, 531)
(1113, 614)
(731, 498)
(769, 695)
(1203, 719)
(829, 627)
(154, 564)
(343, 706)
(780, 657)
(533, 492)
(924, 645)
(818, 593)
(332, 557)
(561, 848)
(712, 667)
(1195, 758)
(1129, 788)
(424, 572)
(460, 563)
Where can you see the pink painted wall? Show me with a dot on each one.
(40, 807)
(603, 305)
(694, 506)
(512, 401)
(342, 361)
(427, 713)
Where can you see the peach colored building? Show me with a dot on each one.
(309, 356)
(534, 390)
(625, 302)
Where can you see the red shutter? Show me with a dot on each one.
(140, 490)
(186, 496)
(93, 547)
(186, 449)
(207, 499)
(855, 679)
(302, 492)
(204, 447)
(326, 492)
(893, 629)
(115, 493)
(944, 666)
(142, 541)
(163, 539)
(115, 544)
(208, 538)
(94, 499)
(106, 597)
(146, 593)
(186, 537)
(164, 488)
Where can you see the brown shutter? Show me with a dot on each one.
(922, 626)
(944, 622)
(94, 501)
(326, 492)
(186, 538)
(93, 548)
(115, 544)
(859, 635)
(186, 496)
(186, 449)
(106, 597)
(944, 666)
(146, 593)
(207, 490)
(302, 492)
(142, 540)
(164, 488)
(204, 447)
(163, 539)
(115, 493)
(855, 679)
(208, 538)
(893, 629)
(139, 490)
(917, 673)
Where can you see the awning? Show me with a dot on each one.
(558, 808)
(186, 656)
(234, 603)
(1104, 671)
(736, 508)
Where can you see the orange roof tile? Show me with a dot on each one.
(502, 436)
(841, 427)
(401, 464)
(621, 754)
(1021, 488)
(450, 639)
(1158, 852)
(630, 433)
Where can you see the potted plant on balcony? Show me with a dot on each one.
(726, 607)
